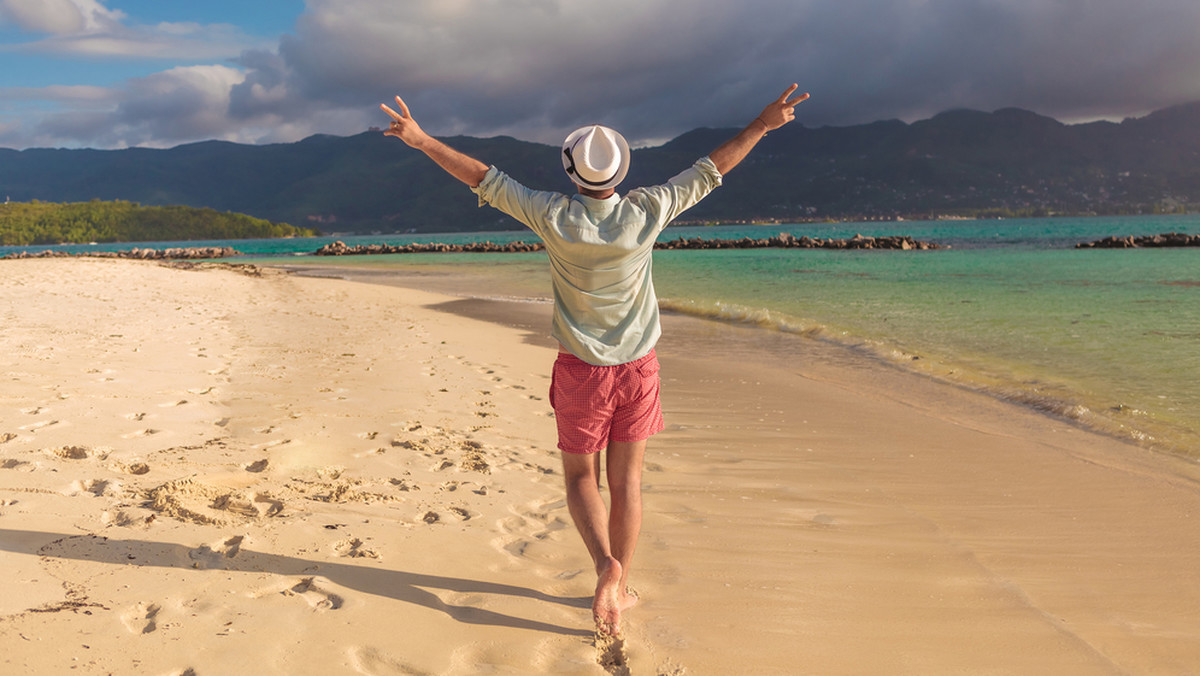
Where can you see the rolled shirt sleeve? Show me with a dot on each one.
(680, 193)
(530, 207)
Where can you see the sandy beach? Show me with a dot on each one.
(214, 470)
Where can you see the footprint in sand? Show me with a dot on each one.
(142, 618)
(516, 547)
(611, 655)
(148, 432)
(94, 487)
(316, 597)
(409, 445)
(374, 662)
(136, 417)
(258, 466)
(127, 519)
(134, 468)
(214, 555)
(354, 549)
(473, 460)
(7, 437)
(39, 425)
(192, 501)
(75, 453)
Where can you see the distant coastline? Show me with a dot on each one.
(35, 223)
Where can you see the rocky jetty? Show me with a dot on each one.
(340, 248)
(781, 241)
(788, 241)
(1170, 239)
(176, 253)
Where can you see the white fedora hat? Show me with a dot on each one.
(595, 157)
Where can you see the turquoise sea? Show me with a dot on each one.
(1107, 338)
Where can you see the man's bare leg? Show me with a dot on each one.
(611, 542)
(624, 469)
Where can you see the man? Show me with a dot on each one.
(605, 383)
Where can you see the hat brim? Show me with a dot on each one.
(622, 146)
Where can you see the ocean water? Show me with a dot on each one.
(1107, 338)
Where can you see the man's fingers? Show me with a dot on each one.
(402, 106)
(799, 99)
(788, 93)
(392, 113)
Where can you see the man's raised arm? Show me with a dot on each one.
(778, 113)
(463, 167)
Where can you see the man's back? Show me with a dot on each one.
(605, 308)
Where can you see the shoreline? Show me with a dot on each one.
(1047, 399)
(332, 460)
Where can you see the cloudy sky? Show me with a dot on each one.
(158, 73)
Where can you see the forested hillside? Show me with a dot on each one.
(26, 223)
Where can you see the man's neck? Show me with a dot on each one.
(596, 194)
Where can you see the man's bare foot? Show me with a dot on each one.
(609, 601)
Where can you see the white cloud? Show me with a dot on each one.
(87, 28)
(60, 17)
(175, 106)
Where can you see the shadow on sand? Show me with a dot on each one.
(394, 584)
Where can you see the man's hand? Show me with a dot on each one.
(403, 126)
(777, 113)
(465, 168)
(781, 111)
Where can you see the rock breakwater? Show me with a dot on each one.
(175, 253)
(1169, 239)
(780, 241)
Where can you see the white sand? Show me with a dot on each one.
(208, 471)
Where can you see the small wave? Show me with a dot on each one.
(1055, 406)
(741, 314)
(530, 300)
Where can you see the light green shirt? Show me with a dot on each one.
(605, 309)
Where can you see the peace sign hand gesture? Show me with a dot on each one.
(403, 126)
(781, 111)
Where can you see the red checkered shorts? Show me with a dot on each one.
(597, 404)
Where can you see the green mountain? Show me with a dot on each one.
(1009, 162)
(37, 222)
